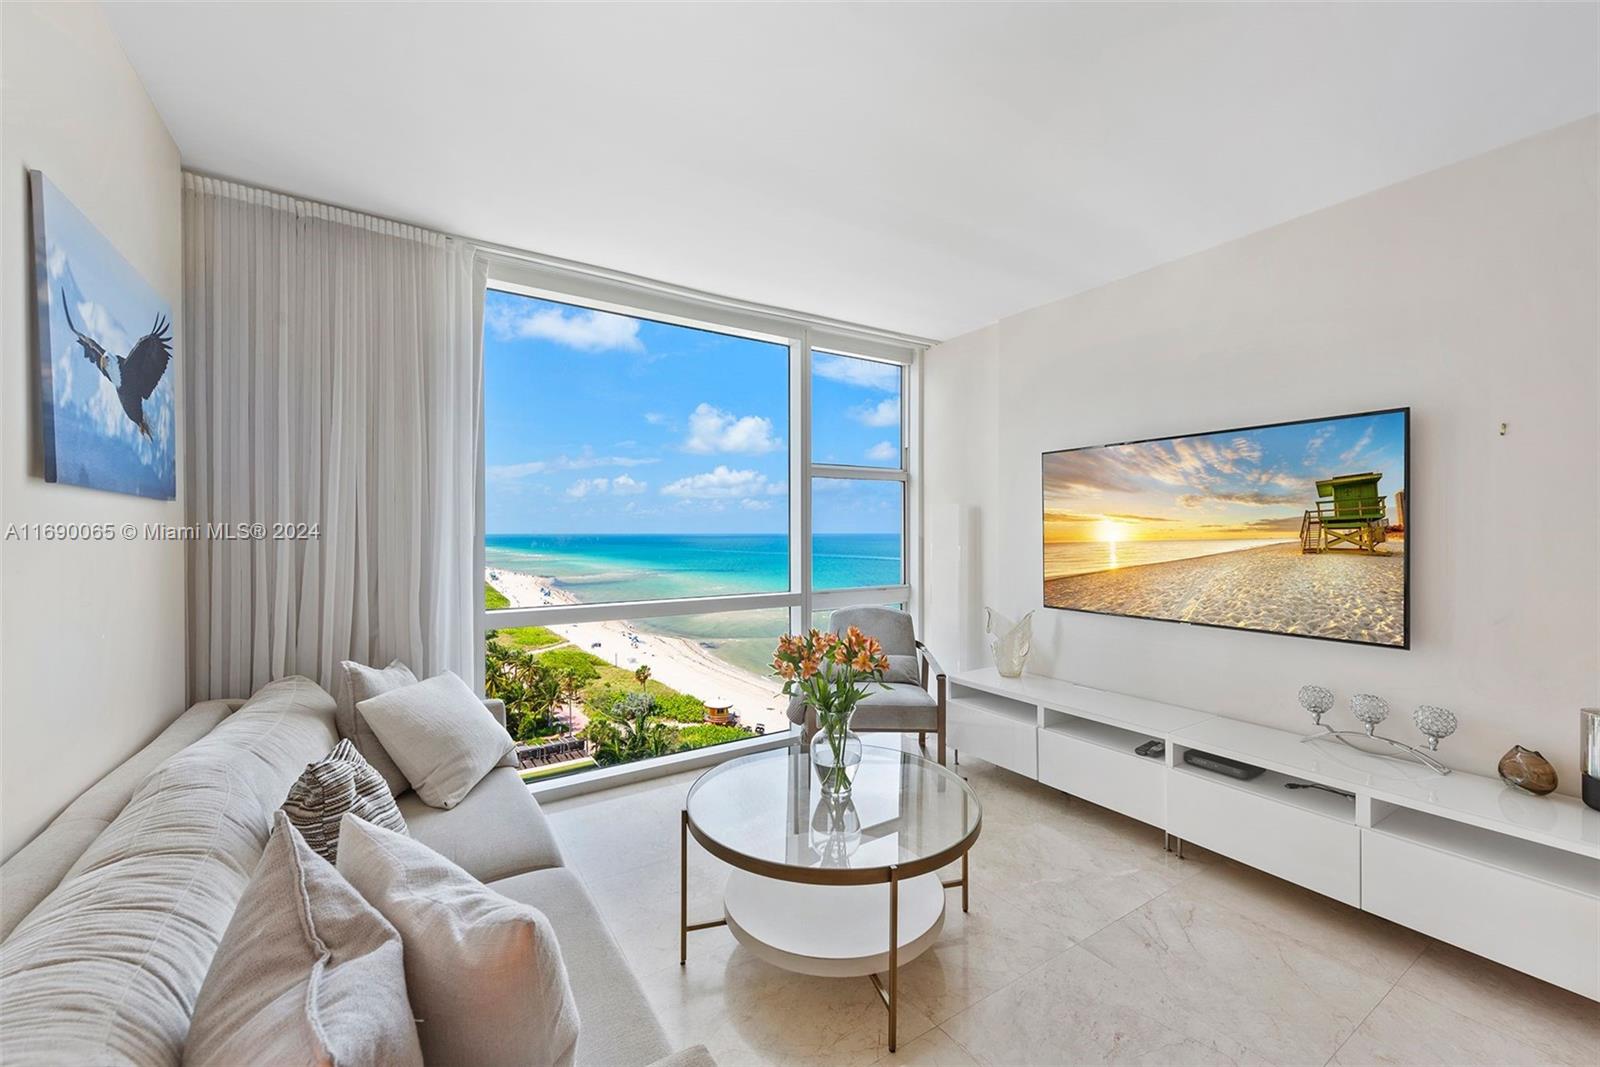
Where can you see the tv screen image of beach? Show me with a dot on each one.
(1295, 528)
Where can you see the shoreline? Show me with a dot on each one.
(678, 662)
(1274, 588)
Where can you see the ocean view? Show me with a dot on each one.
(1063, 558)
(606, 568)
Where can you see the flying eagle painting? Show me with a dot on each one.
(108, 425)
(135, 377)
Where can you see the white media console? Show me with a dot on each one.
(1460, 857)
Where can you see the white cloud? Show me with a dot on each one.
(752, 504)
(863, 373)
(626, 486)
(714, 430)
(584, 486)
(882, 452)
(655, 418)
(1356, 449)
(721, 483)
(885, 412)
(585, 460)
(621, 485)
(579, 328)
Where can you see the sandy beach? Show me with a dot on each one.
(682, 664)
(1343, 594)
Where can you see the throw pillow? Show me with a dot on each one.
(440, 735)
(359, 682)
(339, 782)
(484, 972)
(307, 972)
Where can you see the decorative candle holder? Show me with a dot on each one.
(1318, 700)
(1432, 722)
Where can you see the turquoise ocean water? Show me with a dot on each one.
(606, 568)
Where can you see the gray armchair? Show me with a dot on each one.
(909, 703)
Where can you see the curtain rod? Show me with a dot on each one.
(522, 255)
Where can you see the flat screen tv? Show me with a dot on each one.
(1296, 528)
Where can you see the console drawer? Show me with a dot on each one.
(1547, 925)
(1286, 833)
(1000, 731)
(1119, 780)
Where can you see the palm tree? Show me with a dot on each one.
(643, 674)
(631, 732)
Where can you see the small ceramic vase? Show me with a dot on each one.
(1528, 771)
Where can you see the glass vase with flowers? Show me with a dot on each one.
(832, 673)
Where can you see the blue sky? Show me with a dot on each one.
(601, 423)
(1249, 484)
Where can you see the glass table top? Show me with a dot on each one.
(765, 812)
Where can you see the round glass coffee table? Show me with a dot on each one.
(830, 887)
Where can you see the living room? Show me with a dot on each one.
(881, 533)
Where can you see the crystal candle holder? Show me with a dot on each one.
(1369, 710)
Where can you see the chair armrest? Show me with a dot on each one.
(931, 664)
(497, 708)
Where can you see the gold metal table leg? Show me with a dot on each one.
(683, 889)
(894, 951)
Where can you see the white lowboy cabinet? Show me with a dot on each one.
(1460, 857)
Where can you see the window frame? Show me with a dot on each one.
(804, 337)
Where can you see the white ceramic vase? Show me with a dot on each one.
(1010, 641)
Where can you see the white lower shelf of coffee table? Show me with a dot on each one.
(831, 931)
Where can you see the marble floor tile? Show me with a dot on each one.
(746, 1011)
(1209, 969)
(1558, 1025)
(933, 1049)
(1366, 942)
(1407, 1028)
(641, 907)
(1078, 1009)
(977, 953)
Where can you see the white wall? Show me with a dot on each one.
(1468, 293)
(91, 634)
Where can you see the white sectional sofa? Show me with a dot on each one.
(111, 916)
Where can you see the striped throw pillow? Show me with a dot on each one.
(342, 781)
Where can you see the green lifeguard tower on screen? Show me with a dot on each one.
(1349, 511)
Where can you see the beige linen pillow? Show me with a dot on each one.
(440, 734)
(337, 783)
(307, 972)
(485, 974)
(360, 682)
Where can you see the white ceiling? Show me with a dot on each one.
(917, 167)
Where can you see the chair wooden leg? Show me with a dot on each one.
(922, 739)
(941, 748)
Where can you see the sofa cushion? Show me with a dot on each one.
(307, 972)
(358, 682)
(45, 862)
(495, 832)
(896, 706)
(484, 972)
(339, 783)
(619, 1027)
(107, 969)
(440, 735)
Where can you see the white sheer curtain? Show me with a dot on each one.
(333, 379)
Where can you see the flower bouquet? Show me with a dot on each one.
(833, 674)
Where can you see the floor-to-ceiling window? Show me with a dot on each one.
(668, 488)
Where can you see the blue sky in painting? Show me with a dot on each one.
(602, 423)
(1239, 484)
